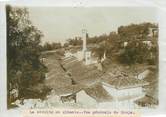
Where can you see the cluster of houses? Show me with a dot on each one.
(119, 91)
(91, 86)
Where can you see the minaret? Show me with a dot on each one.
(84, 31)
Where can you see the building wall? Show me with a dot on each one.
(68, 54)
(143, 74)
(80, 55)
(85, 100)
(87, 57)
(122, 93)
(126, 104)
(125, 44)
(153, 32)
(119, 100)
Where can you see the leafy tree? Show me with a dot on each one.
(137, 51)
(135, 31)
(99, 51)
(51, 46)
(23, 50)
(75, 41)
(65, 45)
(109, 45)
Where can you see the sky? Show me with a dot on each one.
(61, 23)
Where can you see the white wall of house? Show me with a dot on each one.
(112, 91)
(88, 57)
(118, 94)
(125, 44)
(122, 93)
(152, 32)
(85, 100)
(143, 74)
(68, 54)
(126, 104)
(80, 55)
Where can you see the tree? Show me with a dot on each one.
(108, 44)
(74, 41)
(23, 50)
(136, 50)
(135, 31)
(51, 46)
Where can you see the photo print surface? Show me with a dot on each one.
(76, 57)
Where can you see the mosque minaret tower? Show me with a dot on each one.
(84, 33)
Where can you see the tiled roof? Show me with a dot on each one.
(68, 59)
(146, 100)
(122, 82)
(81, 73)
(70, 89)
(98, 93)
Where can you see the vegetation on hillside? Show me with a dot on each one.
(137, 49)
(51, 46)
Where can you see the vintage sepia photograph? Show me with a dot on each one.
(82, 57)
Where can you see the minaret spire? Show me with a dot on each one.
(84, 33)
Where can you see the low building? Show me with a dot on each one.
(119, 91)
(124, 90)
